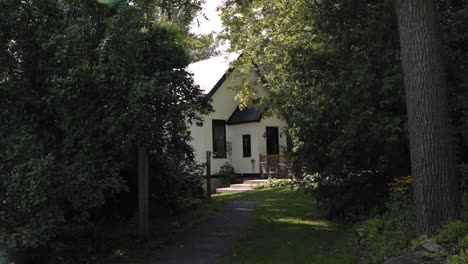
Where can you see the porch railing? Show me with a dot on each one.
(276, 165)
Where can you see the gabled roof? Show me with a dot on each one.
(211, 73)
(247, 115)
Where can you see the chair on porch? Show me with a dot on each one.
(287, 168)
(267, 170)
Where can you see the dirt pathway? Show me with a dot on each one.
(208, 242)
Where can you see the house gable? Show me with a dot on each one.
(239, 124)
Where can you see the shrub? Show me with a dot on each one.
(3, 257)
(461, 258)
(452, 232)
(273, 183)
(391, 232)
(227, 173)
(348, 196)
(175, 188)
(464, 213)
(64, 134)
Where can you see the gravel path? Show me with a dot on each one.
(208, 242)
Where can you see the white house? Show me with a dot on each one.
(233, 136)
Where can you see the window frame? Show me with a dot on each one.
(218, 123)
(249, 147)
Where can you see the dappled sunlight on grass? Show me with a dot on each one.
(274, 200)
(276, 209)
(287, 230)
(319, 225)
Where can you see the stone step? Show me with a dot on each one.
(232, 190)
(254, 182)
(242, 186)
(246, 186)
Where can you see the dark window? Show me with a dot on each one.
(219, 138)
(246, 150)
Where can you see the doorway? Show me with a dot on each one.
(272, 140)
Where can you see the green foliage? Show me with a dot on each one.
(227, 173)
(333, 69)
(464, 242)
(202, 47)
(452, 232)
(83, 84)
(464, 178)
(348, 196)
(358, 105)
(175, 189)
(389, 233)
(274, 183)
(461, 258)
(3, 257)
(464, 211)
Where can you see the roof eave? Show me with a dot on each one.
(221, 80)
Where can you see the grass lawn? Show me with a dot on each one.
(287, 230)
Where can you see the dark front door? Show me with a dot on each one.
(272, 140)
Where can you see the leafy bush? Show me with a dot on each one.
(66, 123)
(391, 232)
(454, 235)
(464, 213)
(175, 188)
(461, 258)
(348, 196)
(452, 232)
(273, 183)
(227, 173)
(3, 257)
(464, 242)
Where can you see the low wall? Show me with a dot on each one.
(215, 183)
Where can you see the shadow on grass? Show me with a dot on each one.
(287, 230)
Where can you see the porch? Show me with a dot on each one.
(276, 165)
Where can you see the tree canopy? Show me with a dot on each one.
(333, 69)
(81, 85)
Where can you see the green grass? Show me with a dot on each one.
(287, 230)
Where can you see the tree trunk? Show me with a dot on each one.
(435, 185)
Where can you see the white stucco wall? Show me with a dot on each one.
(240, 163)
(198, 142)
(224, 104)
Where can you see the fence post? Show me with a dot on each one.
(208, 174)
(142, 192)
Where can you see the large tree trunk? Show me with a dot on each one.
(435, 185)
